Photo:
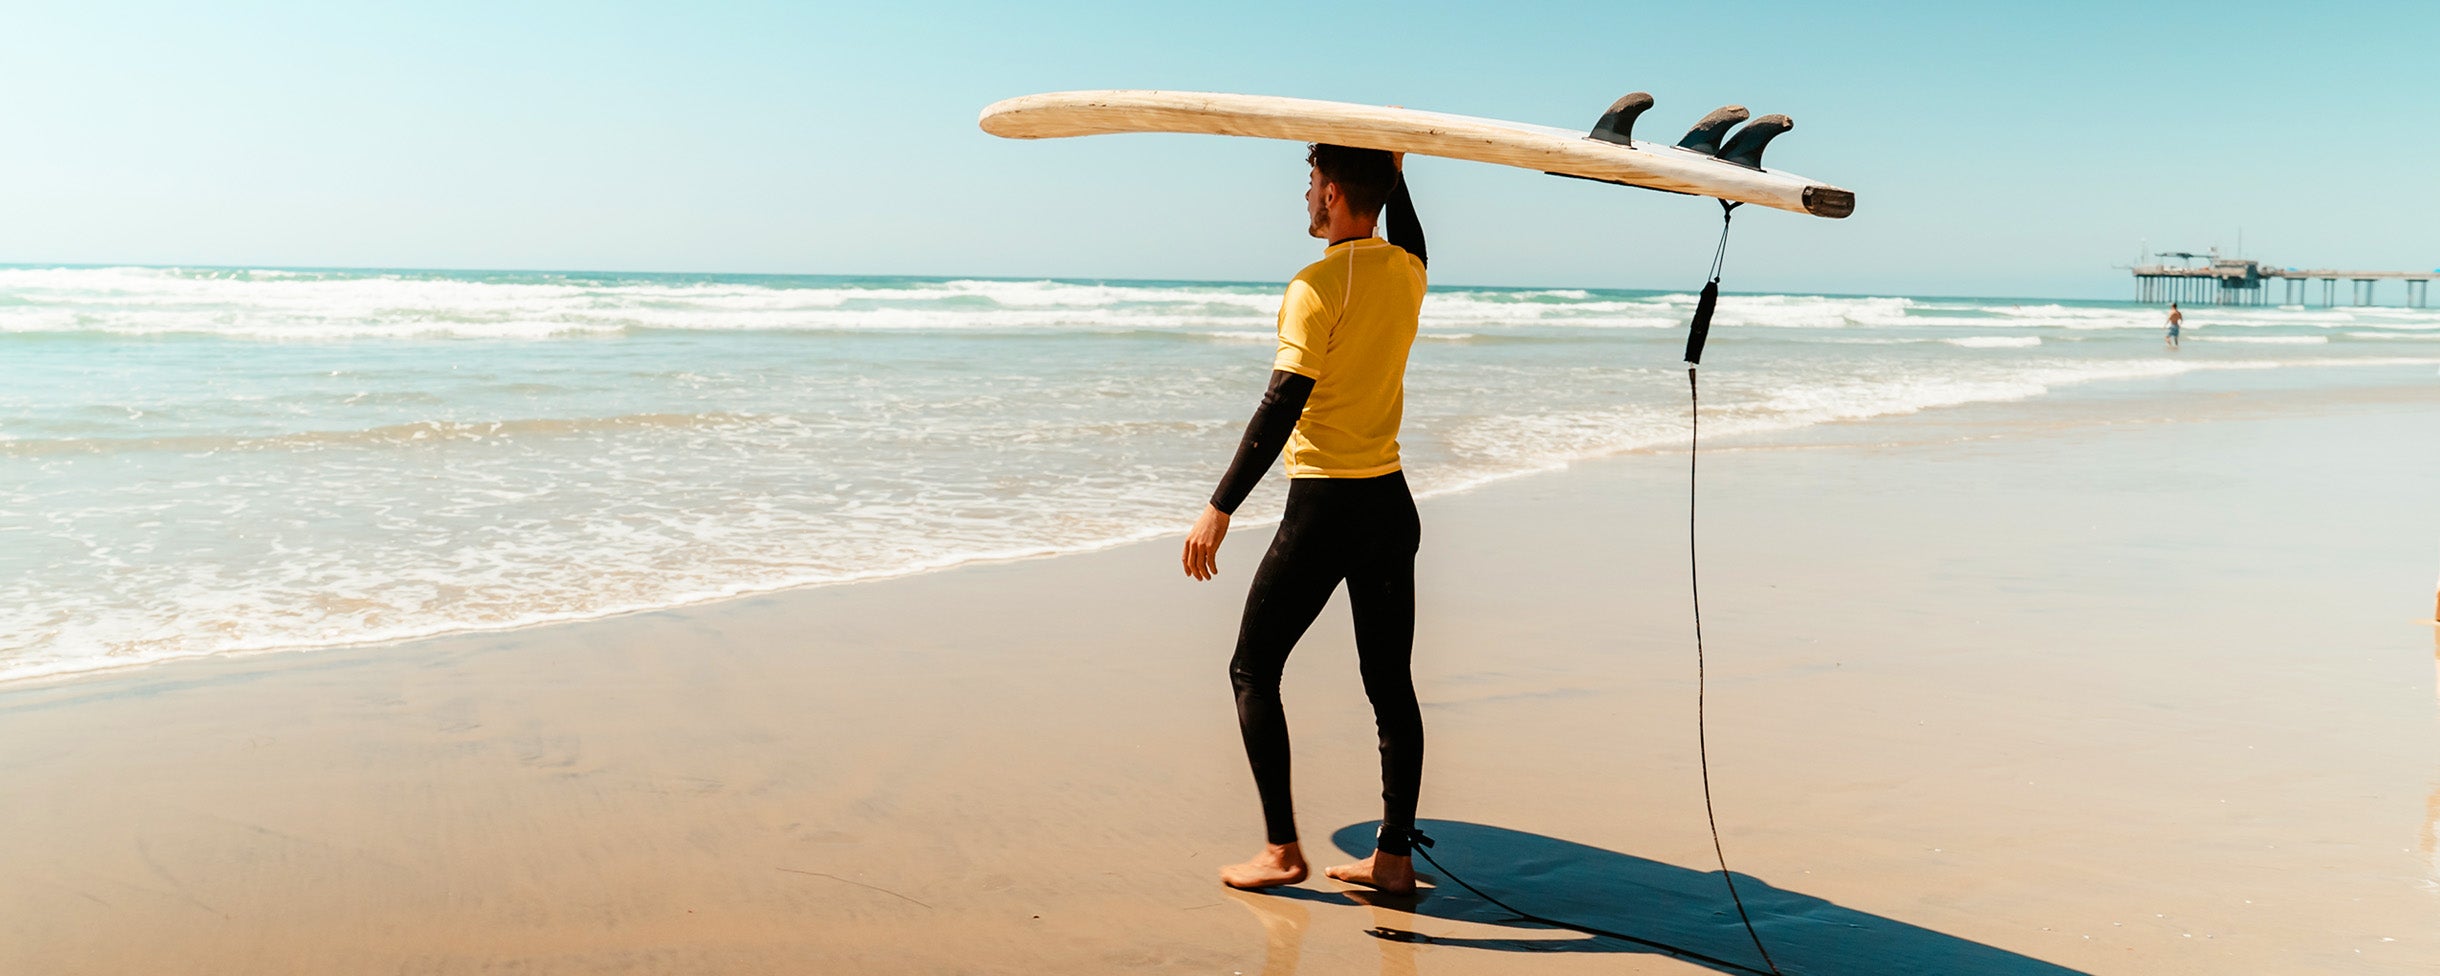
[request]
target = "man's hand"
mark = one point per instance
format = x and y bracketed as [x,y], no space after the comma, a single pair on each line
[1203,543]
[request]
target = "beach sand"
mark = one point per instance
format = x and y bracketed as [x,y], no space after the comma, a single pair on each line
[2133,681]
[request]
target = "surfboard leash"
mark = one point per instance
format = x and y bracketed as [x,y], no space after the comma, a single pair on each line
[1697,331]
[1700,329]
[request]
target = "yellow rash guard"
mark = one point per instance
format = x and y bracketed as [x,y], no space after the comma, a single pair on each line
[1347,324]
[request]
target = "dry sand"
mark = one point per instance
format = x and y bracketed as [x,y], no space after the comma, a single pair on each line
[2134,682]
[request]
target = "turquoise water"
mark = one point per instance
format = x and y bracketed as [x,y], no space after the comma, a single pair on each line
[211,461]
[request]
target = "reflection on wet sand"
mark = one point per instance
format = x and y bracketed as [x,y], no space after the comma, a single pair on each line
[1389,914]
[1284,917]
[2428,839]
[1283,929]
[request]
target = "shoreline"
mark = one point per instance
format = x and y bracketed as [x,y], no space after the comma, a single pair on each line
[1763,438]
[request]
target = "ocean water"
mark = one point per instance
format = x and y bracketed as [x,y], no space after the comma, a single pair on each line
[199,462]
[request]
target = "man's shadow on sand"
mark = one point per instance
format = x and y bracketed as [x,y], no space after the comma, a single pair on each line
[1658,905]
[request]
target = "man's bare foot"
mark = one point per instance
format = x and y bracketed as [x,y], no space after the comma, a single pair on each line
[1387,872]
[1278,864]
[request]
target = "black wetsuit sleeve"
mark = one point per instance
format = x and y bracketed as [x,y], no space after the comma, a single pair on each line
[1399,223]
[1265,436]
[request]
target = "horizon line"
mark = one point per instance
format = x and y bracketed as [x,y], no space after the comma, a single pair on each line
[102,266]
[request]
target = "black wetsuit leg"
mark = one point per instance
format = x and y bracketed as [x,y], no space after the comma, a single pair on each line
[1381,597]
[1362,531]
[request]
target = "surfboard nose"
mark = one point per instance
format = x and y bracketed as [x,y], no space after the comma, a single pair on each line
[1829,201]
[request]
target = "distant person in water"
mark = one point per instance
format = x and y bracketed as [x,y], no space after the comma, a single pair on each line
[2176,319]
[1337,394]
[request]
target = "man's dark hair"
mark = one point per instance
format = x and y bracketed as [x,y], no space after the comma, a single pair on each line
[1364,175]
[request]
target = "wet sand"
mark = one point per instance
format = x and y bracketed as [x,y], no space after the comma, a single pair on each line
[2135,681]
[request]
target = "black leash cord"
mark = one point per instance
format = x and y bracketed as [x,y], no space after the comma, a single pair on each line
[1694,425]
[1694,407]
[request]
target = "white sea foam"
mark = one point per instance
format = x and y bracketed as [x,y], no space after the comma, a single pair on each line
[1994,342]
[337,305]
[456,452]
[1963,342]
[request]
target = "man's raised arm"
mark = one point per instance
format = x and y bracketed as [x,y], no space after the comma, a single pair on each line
[1399,224]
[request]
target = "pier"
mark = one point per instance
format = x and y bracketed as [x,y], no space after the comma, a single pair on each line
[2243,281]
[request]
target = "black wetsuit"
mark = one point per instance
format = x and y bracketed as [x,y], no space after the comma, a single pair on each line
[1359,530]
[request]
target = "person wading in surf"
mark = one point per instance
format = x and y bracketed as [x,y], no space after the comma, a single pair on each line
[1337,393]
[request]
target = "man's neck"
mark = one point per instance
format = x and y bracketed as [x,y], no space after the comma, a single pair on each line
[1345,233]
[1341,231]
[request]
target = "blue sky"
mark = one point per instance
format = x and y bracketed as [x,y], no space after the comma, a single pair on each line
[1995,150]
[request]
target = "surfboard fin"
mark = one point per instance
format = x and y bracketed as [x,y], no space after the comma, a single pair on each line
[1705,136]
[1745,148]
[1618,124]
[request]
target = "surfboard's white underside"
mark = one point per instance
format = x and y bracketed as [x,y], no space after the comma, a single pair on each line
[1534,147]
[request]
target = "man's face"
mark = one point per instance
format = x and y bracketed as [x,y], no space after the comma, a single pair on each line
[1317,205]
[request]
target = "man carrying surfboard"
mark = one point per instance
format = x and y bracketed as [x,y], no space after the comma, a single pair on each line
[1336,396]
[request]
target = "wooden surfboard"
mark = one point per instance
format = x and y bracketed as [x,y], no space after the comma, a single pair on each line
[1708,162]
